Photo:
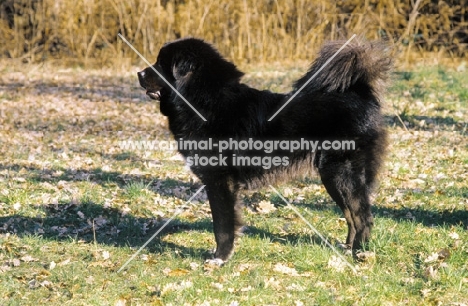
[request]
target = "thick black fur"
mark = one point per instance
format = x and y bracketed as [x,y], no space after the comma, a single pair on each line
[342,102]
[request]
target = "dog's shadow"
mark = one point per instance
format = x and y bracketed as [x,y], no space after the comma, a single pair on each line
[111,226]
[93,223]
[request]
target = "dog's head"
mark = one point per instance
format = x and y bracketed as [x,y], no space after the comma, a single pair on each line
[187,63]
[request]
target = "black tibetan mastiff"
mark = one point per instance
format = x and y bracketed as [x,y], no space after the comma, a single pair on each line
[243,149]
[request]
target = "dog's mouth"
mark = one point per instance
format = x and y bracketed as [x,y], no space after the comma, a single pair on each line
[155,95]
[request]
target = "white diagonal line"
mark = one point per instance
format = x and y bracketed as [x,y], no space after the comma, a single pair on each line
[312,77]
[315,230]
[178,211]
[159,74]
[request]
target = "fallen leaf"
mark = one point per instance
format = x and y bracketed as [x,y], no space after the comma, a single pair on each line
[425,292]
[90,280]
[245,267]
[120,302]
[177,157]
[418,181]
[443,254]
[295,287]
[287,192]
[245,289]
[28,258]
[33,284]
[273,283]
[320,284]
[178,272]
[105,255]
[431,258]
[265,207]
[100,221]
[61,184]
[65,262]
[46,284]
[430,272]
[366,256]
[176,286]
[285,270]
[52,265]
[336,263]
[218,286]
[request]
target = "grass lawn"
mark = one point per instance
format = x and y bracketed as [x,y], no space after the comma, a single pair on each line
[75,206]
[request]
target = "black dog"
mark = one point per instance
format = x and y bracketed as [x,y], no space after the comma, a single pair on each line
[341,103]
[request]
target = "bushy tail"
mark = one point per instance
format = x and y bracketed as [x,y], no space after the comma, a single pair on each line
[359,63]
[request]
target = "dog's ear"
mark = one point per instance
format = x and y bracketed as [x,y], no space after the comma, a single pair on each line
[183,66]
[182,70]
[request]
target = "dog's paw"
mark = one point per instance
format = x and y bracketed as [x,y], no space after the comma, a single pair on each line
[365,256]
[216,262]
[345,248]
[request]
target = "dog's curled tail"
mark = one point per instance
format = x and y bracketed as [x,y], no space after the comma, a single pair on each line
[360,63]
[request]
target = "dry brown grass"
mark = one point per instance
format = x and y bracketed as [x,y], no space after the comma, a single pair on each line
[250,30]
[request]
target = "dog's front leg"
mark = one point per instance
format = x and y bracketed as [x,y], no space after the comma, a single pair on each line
[225,209]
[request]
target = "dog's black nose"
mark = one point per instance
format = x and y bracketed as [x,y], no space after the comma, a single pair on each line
[141,77]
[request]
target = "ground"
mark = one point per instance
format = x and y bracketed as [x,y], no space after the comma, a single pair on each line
[75,205]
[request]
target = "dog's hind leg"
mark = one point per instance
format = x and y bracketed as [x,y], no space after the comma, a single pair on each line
[226,212]
[345,180]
